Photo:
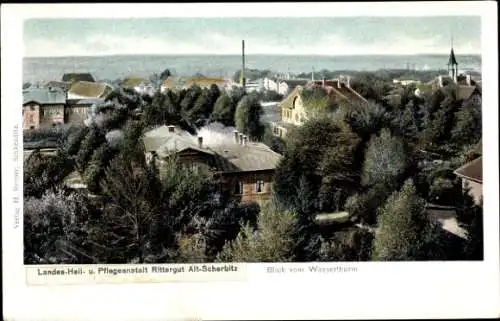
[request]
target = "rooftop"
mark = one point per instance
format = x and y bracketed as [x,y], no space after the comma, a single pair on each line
[72,77]
[245,158]
[44,96]
[85,89]
[204,81]
[472,171]
[227,157]
[131,82]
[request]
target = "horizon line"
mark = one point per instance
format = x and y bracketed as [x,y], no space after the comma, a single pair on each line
[255,54]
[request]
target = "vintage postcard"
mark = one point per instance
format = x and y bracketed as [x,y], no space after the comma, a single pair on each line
[227,161]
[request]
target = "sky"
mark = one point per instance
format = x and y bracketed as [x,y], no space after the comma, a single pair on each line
[282,36]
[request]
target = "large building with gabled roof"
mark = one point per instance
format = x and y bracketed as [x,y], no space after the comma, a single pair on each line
[294,108]
[243,169]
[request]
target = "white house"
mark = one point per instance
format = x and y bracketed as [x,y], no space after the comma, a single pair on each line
[145,89]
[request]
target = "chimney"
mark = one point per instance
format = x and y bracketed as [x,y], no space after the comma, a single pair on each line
[323,81]
[349,81]
[236,135]
[200,141]
[171,128]
[440,78]
[242,80]
[245,140]
[339,83]
[241,138]
[467,77]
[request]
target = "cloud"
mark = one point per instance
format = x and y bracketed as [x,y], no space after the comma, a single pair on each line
[227,43]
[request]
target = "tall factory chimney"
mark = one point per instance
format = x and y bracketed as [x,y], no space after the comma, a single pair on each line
[242,79]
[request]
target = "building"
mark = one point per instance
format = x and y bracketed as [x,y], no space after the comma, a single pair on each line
[76,111]
[405,82]
[472,178]
[88,90]
[205,82]
[43,107]
[139,85]
[169,84]
[270,84]
[74,77]
[244,170]
[285,87]
[57,84]
[294,111]
[465,85]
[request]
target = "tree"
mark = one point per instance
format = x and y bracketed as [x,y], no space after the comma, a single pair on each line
[187,192]
[366,119]
[247,117]
[94,172]
[470,218]
[131,213]
[349,245]
[202,108]
[191,249]
[321,152]
[223,111]
[277,144]
[468,126]
[165,74]
[45,172]
[55,229]
[271,242]
[404,229]
[190,99]
[92,141]
[385,160]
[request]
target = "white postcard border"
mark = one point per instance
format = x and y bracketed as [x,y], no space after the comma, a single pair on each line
[381,290]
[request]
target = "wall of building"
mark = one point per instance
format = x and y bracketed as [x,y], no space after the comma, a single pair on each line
[51,115]
[31,116]
[475,190]
[249,180]
[76,114]
[295,115]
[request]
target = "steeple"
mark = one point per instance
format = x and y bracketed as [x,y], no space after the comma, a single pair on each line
[452,64]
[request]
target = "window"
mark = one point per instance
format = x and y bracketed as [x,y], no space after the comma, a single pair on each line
[238,188]
[32,108]
[259,186]
[32,127]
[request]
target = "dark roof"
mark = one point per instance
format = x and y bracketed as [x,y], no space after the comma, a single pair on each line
[292,83]
[472,171]
[452,60]
[228,157]
[44,96]
[245,158]
[72,77]
[57,84]
[465,92]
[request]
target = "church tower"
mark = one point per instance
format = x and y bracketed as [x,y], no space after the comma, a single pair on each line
[453,64]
